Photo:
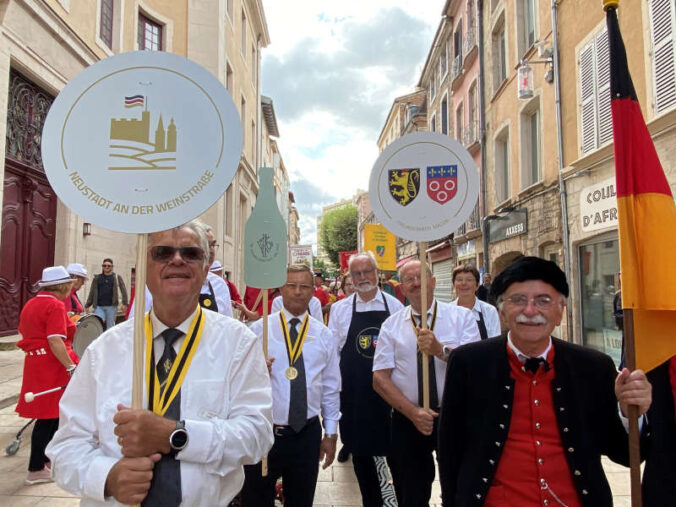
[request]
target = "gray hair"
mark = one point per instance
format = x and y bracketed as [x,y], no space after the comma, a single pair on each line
[368,254]
[200,230]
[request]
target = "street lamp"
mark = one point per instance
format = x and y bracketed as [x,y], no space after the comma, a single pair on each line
[525,71]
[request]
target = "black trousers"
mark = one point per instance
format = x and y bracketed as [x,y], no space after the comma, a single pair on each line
[412,463]
[295,458]
[370,479]
[43,431]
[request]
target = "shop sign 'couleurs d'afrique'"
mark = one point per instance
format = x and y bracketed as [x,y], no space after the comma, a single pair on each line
[141,142]
[424,186]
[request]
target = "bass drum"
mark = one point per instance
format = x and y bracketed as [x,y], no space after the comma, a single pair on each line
[89,328]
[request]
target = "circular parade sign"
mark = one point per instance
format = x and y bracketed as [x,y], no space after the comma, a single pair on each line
[141,142]
[423,186]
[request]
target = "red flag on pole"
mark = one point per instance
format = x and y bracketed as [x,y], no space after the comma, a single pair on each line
[647,217]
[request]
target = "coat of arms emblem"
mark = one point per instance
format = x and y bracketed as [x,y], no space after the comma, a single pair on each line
[442,182]
[404,185]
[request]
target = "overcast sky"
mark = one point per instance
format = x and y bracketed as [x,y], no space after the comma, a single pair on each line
[333,70]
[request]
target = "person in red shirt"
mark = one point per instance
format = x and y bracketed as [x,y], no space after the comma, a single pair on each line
[46,337]
[320,293]
[79,273]
[252,306]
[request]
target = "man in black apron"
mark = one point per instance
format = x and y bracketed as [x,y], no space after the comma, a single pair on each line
[365,423]
[215,294]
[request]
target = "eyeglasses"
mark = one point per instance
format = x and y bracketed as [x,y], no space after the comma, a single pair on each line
[106,265]
[298,286]
[213,244]
[166,253]
[359,274]
[543,301]
[411,279]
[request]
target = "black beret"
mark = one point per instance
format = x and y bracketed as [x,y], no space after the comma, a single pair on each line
[530,268]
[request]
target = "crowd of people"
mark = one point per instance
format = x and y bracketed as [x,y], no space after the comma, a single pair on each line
[515,416]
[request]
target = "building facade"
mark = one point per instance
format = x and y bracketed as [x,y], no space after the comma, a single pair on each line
[43,45]
[649,32]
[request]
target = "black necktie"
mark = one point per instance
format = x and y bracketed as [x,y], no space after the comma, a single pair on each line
[434,396]
[165,488]
[532,364]
[298,393]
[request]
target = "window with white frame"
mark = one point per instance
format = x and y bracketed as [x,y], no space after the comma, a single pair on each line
[106,22]
[444,116]
[594,81]
[663,42]
[149,34]
[501,158]
[531,144]
[443,62]
[472,113]
[499,57]
[525,25]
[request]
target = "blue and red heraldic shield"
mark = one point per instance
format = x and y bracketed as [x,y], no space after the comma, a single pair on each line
[442,182]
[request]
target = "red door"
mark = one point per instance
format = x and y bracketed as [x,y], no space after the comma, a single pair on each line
[28,203]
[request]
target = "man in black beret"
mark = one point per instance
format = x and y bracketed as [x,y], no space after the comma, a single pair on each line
[525,417]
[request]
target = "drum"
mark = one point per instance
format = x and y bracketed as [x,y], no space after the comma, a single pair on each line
[89,328]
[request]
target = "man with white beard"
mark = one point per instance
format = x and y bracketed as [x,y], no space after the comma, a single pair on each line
[365,423]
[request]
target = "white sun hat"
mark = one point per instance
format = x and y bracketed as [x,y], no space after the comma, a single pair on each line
[216,266]
[77,269]
[54,276]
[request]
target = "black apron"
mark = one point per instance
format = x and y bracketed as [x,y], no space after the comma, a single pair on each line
[482,326]
[365,423]
[208,301]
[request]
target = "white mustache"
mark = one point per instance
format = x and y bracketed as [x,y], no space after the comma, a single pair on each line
[536,319]
[364,286]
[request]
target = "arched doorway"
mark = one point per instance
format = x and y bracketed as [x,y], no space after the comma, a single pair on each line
[503,261]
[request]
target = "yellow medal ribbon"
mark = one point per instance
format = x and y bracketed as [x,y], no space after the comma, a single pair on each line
[159,404]
[294,351]
[432,323]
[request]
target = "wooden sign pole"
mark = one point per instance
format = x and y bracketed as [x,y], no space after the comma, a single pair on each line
[422,248]
[632,416]
[139,313]
[264,463]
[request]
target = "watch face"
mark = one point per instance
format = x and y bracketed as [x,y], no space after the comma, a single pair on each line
[179,439]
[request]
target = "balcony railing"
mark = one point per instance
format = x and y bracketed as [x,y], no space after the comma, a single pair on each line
[472,224]
[471,134]
[456,68]
[469,40]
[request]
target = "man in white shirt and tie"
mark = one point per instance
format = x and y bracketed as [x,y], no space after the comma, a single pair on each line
[305,377]
[397,377]
[208,397]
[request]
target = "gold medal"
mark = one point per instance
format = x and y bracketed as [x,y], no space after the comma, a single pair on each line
[207,302]
[291,373]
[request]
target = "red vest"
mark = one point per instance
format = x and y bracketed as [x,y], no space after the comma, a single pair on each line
[533,468]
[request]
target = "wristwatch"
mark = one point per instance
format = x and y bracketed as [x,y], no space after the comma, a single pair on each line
[334,436]
[445,353]
[178,439]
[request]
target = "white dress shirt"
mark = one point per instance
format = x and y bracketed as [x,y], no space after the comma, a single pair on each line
[322,373]
[340,315]
[398,347]
[226,402]
[315,307]
[490,315]
[148,303]
[221,293]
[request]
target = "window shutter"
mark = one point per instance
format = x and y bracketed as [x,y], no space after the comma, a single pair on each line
[603,88]
[588,96]
[663,27]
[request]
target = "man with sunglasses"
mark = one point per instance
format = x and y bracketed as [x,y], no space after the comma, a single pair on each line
[215,294]
[525,417]
[303,364]
[103,294]
[365,424]
[208,396]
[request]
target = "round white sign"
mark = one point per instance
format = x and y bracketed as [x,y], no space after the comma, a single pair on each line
[141,142]
[423,186]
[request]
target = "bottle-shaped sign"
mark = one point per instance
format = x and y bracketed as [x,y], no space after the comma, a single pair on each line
[265,238]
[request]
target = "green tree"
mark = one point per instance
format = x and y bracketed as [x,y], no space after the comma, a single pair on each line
[339,232]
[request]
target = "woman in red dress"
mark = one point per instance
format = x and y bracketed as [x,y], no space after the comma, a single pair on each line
[46,338]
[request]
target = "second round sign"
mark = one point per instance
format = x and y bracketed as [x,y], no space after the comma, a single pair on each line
[424,186]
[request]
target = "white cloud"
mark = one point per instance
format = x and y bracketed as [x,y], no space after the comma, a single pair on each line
[332,70]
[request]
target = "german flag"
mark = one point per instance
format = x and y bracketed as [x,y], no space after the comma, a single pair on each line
[647,217]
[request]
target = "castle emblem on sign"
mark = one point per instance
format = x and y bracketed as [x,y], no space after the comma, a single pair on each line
[131,147]
[404,185]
